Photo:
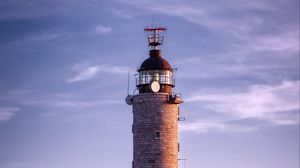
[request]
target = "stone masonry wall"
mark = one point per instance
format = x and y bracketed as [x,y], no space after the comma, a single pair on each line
[152,113]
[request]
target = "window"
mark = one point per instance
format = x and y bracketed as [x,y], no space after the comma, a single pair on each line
[157,135]
[162,76]
[155,76]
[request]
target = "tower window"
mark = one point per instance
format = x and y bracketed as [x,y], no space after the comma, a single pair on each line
[157,135]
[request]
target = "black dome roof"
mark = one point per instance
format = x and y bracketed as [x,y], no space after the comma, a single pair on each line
[155,62]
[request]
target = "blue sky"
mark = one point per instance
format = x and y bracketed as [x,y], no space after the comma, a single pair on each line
[63,80]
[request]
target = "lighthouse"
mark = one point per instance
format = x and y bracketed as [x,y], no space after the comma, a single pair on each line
[155,109]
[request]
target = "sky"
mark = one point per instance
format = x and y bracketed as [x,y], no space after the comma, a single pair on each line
[63,81]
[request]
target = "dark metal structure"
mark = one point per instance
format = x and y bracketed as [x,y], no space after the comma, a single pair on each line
[155,68]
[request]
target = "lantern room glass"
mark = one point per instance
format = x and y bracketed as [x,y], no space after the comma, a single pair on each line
[161,76]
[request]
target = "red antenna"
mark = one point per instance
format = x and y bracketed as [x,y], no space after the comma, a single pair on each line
[154,37]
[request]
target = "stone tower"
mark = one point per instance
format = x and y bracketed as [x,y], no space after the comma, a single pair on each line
[155,110]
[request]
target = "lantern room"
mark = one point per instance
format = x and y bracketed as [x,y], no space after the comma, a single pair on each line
[155,73]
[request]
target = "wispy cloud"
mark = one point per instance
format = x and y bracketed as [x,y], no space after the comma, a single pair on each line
[56,100]
[69,103]
[240,21]
[45,36]
[121,13]
[35,38]
[6,113]
[287,42]
[278,104]
[234,66]
[83,74]
[86,72]
[65,100]
[64,105]
[28,9]
[205,126]
[100,30]
[192,12]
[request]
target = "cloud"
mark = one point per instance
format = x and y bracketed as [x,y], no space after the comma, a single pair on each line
[205,126]
[55,100]
[69,103]
[83,74]
[287,42]
[86,72]
[211,14]
[201,13]
[34,38]
[64,100]
[100,30]
[6,113]
[278,104]
[234,67]
[245,23]
[202,126]
[28,9]
[43,37]
[121,13]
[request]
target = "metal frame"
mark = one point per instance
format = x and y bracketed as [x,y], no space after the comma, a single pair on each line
[161,76]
